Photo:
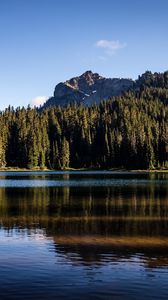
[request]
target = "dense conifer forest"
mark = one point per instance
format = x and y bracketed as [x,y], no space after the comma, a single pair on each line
[130,131]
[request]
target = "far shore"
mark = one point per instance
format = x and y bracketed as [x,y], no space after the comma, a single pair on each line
[115,170]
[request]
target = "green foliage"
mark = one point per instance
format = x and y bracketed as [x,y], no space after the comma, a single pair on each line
[130,131]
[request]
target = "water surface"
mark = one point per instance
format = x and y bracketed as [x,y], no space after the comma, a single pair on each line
[83,235]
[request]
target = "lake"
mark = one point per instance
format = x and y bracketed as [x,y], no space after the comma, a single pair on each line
[83,235]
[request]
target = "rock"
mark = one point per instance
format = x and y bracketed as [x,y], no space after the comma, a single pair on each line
[89,88]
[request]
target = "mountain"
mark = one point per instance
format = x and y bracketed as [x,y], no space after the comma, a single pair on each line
[89,88]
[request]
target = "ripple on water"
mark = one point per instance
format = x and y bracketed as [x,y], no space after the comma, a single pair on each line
[107,242]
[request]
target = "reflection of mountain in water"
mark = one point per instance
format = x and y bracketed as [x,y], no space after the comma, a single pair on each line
[94,224]
[152,256]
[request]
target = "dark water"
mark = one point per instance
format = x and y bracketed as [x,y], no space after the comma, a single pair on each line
[83,235]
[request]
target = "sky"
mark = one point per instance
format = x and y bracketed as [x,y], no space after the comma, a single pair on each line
[44,42]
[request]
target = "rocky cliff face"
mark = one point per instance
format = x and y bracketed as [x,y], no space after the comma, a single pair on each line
[89,88]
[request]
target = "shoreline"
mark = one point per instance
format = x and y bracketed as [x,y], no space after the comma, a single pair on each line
[115,170]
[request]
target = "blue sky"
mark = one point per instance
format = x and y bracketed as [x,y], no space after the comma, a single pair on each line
[43,42]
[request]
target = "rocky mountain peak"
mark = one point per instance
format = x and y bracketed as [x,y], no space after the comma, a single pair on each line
[86,79]
[88,88]
[89,76]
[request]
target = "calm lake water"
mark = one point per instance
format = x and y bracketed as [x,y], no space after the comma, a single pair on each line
[83,235]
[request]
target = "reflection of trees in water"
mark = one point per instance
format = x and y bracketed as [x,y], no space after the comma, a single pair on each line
[130,210]
[111,212]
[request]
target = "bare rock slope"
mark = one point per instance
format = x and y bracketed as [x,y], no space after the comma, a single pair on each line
[89,88]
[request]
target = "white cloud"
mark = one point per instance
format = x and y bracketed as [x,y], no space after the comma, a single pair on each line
[37,101]
[110,47]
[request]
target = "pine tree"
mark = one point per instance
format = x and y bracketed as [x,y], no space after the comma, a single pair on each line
[64,154]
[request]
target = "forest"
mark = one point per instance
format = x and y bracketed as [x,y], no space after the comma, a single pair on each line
[128,131]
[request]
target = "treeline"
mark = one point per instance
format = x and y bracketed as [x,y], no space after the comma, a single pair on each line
[125,132]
